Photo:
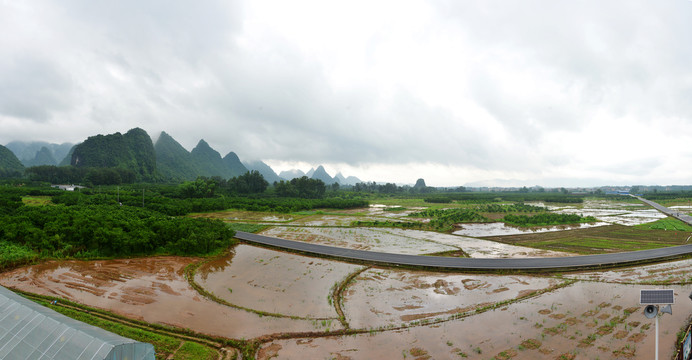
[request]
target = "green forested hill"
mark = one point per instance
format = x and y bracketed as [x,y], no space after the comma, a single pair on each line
[42,157]
[234,165]
[10,166]
[133,151]
[68,157]
[208,161]
[172,160]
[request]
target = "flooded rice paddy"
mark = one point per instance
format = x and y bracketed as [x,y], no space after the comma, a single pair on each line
[583,321]
[605,212]
[150,289]
[370,239]
[499,229]
[274,282]
[383,298]
[673,272]
[478,248]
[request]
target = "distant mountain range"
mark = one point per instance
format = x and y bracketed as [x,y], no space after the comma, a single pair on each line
[321,174]
[39,152]
[135,151]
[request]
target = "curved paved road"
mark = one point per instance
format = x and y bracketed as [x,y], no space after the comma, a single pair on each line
[571,262]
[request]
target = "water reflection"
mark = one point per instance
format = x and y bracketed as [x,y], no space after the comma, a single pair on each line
[498,228]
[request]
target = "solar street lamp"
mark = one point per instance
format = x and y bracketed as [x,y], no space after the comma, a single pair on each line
[652,299]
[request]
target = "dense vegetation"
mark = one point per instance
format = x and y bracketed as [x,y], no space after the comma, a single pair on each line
[167,203]
[668,195]
[31,232]
[509,208]
[444,220]
[546,218]
[302,187]
[80,175]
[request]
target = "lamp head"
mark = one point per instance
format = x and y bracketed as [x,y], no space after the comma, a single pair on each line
[667,309]
[650,311]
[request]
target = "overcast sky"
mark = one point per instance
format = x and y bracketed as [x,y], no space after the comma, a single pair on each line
[552,93]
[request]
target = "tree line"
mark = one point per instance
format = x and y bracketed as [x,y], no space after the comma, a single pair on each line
[28,233]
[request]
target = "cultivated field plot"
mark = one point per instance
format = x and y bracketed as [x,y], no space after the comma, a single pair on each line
[249,216]
[149,289]
[602,239]
[477,248]
[614,212]
[383,298]
[370,239]
[275,282]
[499,228]
[582,321]
[313,218]
[674,272]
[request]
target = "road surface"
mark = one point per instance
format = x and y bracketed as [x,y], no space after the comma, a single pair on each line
[450,263]
[674,213]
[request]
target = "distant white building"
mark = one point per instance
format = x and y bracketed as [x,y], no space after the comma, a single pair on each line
[68,187]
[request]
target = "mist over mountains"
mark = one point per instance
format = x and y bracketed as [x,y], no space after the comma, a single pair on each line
[134,151]
[39,152]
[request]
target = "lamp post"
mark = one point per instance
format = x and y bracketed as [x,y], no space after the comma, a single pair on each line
[652,299]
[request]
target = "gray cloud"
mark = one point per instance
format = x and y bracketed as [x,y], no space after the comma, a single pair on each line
[32,88]
[485,86]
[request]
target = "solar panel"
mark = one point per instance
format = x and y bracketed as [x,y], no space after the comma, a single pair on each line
[657,296]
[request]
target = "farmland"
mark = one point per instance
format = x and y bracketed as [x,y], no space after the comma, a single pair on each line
[265,302]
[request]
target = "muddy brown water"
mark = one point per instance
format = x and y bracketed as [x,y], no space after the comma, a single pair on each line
[149,289]
[276,282]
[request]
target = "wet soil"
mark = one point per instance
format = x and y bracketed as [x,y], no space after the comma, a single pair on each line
[674,272]
[382,298]
[149,289]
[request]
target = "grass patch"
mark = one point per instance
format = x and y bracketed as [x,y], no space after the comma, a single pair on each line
[667,224]
[37,200]
[249,228]
[194,351]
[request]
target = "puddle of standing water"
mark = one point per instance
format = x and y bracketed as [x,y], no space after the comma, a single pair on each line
[149,289]
[275,282]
